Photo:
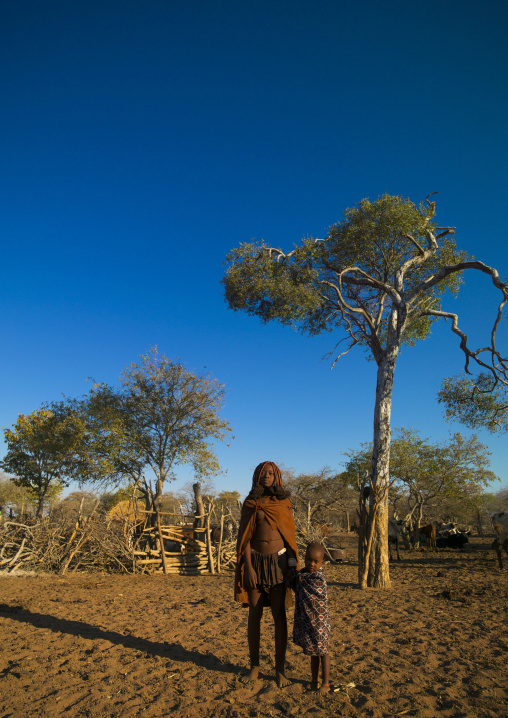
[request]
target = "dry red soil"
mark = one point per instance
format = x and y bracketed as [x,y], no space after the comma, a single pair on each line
[98,645]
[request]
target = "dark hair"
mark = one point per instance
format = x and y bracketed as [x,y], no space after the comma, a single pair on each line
[316,544]
[276,489]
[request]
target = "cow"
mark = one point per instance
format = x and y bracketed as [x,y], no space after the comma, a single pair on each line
[500,524]
[444,528]
[429,531]
[454,539]
[396,531]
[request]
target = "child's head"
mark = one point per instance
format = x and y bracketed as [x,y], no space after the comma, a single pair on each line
[314,556]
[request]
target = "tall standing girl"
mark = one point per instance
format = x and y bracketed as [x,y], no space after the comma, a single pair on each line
[266,552]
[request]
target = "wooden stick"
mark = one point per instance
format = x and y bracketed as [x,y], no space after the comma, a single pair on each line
[220,537]
[162,548]
[209,544]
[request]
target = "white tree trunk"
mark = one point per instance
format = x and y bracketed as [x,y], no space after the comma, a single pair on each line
[379,574]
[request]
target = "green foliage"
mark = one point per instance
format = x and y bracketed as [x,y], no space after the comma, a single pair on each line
[13,496]
[43,451]
[268,289]
[364,262]
[427,473]
[162,415]
[478,402]
[110,499]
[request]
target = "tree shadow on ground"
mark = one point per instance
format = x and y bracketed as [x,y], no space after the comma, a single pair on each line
[171,651]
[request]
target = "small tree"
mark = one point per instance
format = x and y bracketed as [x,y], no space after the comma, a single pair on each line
[13,498]
[43,452]
[161,416]
[426,475]
[318,497]
[379,276]
[70,506]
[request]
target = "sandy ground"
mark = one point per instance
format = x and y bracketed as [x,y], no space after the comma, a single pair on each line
[99,645]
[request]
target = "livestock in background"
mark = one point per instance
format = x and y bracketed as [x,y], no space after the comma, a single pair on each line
[443,528]
[397,530]
[429,533]
[454,539]
[500,524]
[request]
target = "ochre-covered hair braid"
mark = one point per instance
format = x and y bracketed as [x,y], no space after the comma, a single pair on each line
[276,473]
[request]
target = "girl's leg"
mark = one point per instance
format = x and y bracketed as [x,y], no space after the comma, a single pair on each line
[254,633]
[325,673]
[277,604]
[314,670]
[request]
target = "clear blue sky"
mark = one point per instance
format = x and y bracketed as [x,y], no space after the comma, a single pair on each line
[143,140]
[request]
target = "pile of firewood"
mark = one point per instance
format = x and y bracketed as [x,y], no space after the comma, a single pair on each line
[96,543]
[61,546]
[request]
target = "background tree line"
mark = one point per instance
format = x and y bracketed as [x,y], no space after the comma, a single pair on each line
[131,436]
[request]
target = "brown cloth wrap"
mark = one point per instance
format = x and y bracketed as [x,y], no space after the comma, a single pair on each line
[279,515]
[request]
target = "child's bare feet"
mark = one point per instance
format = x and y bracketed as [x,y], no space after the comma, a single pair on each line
[281,679]
[325,688]
[253,675]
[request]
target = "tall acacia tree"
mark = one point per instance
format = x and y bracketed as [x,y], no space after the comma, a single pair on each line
[379,277]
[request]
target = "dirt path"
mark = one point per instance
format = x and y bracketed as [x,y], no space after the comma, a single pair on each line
[97,645]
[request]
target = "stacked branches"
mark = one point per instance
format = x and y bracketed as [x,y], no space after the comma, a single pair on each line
[64,546]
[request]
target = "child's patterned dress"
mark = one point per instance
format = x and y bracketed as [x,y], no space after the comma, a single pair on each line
[312,627]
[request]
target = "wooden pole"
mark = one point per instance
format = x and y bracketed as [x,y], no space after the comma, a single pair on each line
[200,508]
[161,543]
[209,543]
[220,537]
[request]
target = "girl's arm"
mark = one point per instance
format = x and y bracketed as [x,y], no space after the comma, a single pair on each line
[251,578]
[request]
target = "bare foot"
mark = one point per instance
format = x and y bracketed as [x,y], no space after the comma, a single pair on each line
[325,688]
[312,687]
[281,679]
[252,676]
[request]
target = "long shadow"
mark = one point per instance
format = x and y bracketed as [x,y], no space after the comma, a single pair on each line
[427,561]
[343,584]
[172,651]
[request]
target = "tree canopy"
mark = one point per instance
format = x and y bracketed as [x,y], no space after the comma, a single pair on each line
[477,402]
[379,256]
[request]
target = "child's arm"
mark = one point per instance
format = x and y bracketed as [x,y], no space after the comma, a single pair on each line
[291,579]
[292,563]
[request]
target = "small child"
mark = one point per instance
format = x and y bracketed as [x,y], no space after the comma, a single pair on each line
[312,627]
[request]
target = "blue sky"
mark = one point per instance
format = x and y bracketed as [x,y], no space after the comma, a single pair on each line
[143,140]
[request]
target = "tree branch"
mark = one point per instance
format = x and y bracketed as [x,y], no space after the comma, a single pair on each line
[495,368]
